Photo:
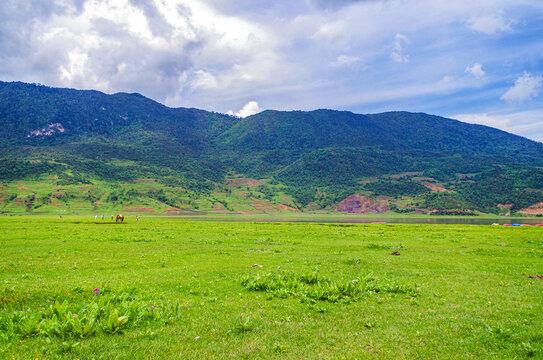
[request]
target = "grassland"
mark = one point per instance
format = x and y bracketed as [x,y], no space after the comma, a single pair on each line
[189,289]
[45,196]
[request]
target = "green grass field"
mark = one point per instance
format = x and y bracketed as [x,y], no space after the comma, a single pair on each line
[178,289]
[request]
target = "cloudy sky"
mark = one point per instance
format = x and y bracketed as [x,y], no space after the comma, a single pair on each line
[478,61]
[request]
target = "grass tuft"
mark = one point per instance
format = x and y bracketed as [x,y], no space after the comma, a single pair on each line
[244,323]
[100,312]
[311,287]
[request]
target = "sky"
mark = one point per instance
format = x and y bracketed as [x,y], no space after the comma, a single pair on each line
[478,61]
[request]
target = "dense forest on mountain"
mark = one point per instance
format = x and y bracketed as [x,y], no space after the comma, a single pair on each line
[310,160]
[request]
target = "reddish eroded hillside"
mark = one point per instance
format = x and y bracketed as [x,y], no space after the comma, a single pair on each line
[285,207]
[535,209]
[436,188]
[356,204]
[262,206]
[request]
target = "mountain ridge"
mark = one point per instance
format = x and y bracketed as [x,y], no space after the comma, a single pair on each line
[309,158]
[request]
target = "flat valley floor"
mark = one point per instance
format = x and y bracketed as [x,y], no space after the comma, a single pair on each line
[178,289]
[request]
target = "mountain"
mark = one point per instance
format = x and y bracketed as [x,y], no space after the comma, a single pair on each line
[112,145]
[95,128]
[366,145]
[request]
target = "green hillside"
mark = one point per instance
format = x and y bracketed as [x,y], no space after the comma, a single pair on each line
[64,150]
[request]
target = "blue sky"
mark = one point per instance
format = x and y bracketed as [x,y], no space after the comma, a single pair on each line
[476,61]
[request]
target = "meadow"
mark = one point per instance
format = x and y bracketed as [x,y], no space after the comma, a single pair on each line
[178,289]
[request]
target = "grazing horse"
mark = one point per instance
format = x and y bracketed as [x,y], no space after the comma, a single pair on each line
[119,217]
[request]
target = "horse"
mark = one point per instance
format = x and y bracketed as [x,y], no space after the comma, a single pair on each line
[119,217]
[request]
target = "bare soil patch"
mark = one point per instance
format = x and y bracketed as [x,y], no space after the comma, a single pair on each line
[312,206]
[506,208]
[383,198]
[436,188]
[356,204]
[365,181]
[139,208]
[262,206]
[172,211]
[244,182]
[56,203]
[144,180]
[19,202]
[285,207]
[218,206]
[535,209]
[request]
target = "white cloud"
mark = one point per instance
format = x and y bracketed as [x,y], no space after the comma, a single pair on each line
[169,50]
[330,31]
[525,88]
[489,24]
[400,43]
[499,122]
[526,123]
[249,109]
[346,60]
[476,70]
[335,4]
[77,62]
[204,80]
[211,54]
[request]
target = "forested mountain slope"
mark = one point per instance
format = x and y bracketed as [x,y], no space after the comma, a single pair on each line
[109,144]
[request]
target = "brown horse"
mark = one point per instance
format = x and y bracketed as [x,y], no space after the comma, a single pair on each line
[119,217]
